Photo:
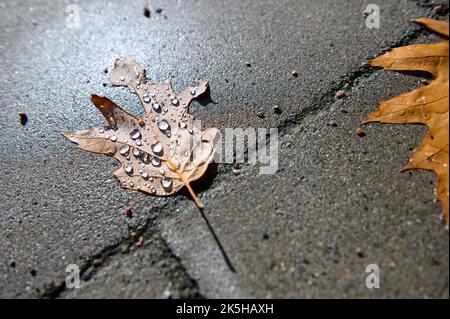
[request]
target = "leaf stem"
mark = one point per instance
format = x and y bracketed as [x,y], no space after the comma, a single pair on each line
[174,168]
[194,196]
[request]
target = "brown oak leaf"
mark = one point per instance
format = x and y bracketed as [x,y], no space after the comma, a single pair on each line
[426,105]
[160,153]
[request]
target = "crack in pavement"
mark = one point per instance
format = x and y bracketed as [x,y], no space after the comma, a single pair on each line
[147,232]
[351,81]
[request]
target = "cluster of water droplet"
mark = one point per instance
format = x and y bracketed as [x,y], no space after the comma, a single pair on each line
[165,138]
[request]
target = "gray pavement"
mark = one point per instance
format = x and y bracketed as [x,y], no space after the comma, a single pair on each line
[337,203]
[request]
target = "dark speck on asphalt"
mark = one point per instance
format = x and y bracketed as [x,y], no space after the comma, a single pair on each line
[23,118]
[146,12]
[277,109]
[438,8]
[341,94]
[128,212]
[359,252]
[333,123]
[260,114]
[360,132]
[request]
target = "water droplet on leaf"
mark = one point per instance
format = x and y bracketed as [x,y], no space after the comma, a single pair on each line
[157,148]
[156,161]
[175,102]
[166,182]
[124,149]
[128,168]
[163,125]
[135,134]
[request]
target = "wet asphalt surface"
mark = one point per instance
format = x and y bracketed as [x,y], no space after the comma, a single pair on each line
[337,203]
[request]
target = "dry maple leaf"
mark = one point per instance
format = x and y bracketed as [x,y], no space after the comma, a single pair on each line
[163,151]
[427,105]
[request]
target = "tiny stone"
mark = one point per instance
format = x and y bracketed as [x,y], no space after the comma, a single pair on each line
[248,64]
[359,252]
[277,109]
[159,10]
[141,122]
[147,12]
[23,118]
[124,248]
[294,73]
[128,212]
[140,241]
[341,94]
[360,132]
[236,171]
[260,114]
[438,8]
[333,123]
